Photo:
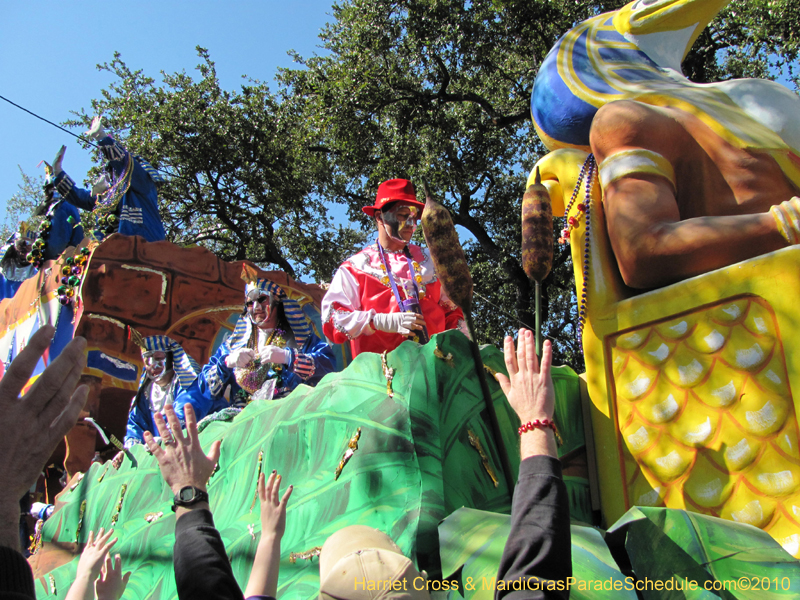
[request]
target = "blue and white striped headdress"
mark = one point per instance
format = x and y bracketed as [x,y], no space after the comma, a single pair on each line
[185,367]
[291,308]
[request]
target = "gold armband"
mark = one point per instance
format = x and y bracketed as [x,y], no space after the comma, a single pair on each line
[630,162]
[787,216]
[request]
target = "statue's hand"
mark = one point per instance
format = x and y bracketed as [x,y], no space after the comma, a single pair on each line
[58,160]
[96,131]
[100,185]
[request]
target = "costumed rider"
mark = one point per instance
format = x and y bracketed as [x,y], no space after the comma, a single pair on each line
[124,198]
[15,266]
[388,292]
[271,351]
[62,223]
[167,371]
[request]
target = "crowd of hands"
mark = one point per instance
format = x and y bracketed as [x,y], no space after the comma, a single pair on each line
[50,408]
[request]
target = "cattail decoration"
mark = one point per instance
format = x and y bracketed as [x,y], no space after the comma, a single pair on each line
[537,231]
[452,270]
[446,252]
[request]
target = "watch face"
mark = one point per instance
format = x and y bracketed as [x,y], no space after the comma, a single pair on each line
[186,494]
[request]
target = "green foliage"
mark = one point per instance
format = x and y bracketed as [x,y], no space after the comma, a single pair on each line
[749,38]
[434,90]
[241,182]
[472,543]
[439,91]
[21,205]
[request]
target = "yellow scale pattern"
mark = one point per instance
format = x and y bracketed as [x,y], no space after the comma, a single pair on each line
[705,417]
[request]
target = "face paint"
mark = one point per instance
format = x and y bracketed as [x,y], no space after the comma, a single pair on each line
[155,363]
[401,221]
[259,307]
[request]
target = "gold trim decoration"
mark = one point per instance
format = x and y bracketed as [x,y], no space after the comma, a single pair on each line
[81,512]
[260,461]
[388,373]
[352,446]
[448,358]
[475,442]
[118,508]
[307,555]
[163,299]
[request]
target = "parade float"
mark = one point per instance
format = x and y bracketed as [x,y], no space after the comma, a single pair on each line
[686,467]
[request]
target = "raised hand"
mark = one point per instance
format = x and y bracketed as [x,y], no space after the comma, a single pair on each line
[273,506]
[529,389]
[180,457]
[111,584]
[90,565]
[36,422]
[96,130]
[58,160]
[264,576]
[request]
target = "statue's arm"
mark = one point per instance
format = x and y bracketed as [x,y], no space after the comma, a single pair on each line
[652,245]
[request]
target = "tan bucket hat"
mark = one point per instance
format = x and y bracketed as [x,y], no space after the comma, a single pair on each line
[362,563]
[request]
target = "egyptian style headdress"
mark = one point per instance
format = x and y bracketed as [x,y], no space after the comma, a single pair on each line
[185,367]
[291,308]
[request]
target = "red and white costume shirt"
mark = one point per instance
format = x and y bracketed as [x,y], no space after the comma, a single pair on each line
[361,289]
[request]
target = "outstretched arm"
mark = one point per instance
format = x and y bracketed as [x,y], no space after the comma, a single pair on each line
[202,569]
[90,565]
[38,420]
[264,576]
[538,550]
[646,158]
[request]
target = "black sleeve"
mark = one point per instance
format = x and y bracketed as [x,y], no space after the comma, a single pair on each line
[537,558]
[16,578]
[202,568]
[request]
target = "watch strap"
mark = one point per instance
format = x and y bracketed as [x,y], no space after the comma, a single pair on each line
[198,496]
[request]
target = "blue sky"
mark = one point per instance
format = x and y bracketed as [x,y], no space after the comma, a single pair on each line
[49,50]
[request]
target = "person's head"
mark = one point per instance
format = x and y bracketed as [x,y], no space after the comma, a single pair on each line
[262,307]
[358,553]
[164,360]
[157,363]
[396,212]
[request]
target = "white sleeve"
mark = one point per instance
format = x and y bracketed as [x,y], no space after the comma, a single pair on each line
[341,305]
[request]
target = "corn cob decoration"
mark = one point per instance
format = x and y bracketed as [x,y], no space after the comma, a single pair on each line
[453,271]
[537,242]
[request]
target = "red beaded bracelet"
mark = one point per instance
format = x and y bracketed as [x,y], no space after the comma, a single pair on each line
[541,424]
[537,424]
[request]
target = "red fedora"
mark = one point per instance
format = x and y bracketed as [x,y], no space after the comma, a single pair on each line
[392,191]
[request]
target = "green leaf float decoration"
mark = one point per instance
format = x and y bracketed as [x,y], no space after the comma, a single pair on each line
[663,543]
[472,541]
[414,465]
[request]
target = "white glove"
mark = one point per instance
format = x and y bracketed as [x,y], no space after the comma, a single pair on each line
[100,185]
[96,130]
[40,510]
[58,160]
[394,322]
[240,358]
[275,354]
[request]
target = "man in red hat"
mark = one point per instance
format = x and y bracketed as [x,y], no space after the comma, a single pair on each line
[388,292]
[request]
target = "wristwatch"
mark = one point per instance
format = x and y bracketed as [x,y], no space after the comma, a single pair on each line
[189,496]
